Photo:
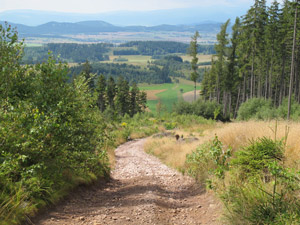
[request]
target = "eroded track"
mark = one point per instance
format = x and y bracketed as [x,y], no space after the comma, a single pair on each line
[142,191]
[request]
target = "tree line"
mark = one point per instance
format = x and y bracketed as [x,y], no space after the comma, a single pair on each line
[151,74]
[67,52]
[260,59]
[115,97]
[154,48]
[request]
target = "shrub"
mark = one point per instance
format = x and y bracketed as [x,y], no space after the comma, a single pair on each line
[208,110]
[50,132]
[256,108]
[258,188]
[261,109]
[208,159]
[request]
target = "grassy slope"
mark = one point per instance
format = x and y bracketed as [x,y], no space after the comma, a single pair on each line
[171,94]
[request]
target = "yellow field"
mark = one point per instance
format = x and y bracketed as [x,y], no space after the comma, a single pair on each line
[236,135]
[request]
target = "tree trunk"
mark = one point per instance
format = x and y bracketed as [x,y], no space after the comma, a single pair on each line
[224,103]
[237,102]
[195,92]
[270,77]
[252,78]
[244,89]
[281,95]
[229,104]
[292,64]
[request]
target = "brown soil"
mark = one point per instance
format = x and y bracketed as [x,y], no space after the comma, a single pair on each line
[142,191]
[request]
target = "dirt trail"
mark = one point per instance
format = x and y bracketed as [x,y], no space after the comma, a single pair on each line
[142,191]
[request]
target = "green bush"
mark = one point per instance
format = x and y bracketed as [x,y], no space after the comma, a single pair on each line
[259,189]
[256,108]
[208,159]
[283,109]
[50,133]
[253,183]
[261,109]
[206,109]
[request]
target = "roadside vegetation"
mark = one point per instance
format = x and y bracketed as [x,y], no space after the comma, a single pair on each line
[56,134]
[252,167]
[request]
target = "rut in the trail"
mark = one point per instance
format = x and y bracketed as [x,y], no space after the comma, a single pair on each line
[142,191]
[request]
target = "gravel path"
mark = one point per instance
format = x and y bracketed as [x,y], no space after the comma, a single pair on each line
[142,191]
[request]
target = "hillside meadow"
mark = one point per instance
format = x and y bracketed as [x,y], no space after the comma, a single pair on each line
[167,94]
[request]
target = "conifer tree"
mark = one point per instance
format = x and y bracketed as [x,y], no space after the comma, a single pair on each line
[111,92]
[122,96]
[221,50]
[86,71]
[134,94]
[193,50]
[101,89]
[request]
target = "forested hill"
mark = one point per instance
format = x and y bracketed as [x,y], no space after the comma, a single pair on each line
[94,27]
[160,48]
[78,53]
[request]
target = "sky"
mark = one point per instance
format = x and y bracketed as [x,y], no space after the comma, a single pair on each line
[99,6]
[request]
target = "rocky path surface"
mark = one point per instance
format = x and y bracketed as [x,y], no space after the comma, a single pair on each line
[142,191]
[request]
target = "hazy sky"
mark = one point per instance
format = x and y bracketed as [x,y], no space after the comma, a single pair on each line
[96,6]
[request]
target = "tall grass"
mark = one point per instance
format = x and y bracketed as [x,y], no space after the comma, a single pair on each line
[258,184]
[261,183]
[239,134]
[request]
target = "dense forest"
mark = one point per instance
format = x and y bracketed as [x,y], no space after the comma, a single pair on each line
[260,59]
[157,72]
[78,53]
[153,48]
[67,52]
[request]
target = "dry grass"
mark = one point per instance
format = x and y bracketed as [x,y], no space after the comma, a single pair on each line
[151,94]
[189,96]
[172,152]
[236,135]
[239,134]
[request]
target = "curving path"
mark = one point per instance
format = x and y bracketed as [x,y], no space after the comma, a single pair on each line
[142,191]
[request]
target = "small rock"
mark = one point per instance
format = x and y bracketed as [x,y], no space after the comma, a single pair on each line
[81,218]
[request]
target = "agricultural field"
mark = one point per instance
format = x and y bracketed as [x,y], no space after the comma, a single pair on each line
[136,60]
[201,58]
[167,94]
[142,60]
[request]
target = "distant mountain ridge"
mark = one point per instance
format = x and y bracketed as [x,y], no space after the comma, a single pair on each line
[197,15]
[94,27]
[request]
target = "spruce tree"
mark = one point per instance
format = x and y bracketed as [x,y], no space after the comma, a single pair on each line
[86,71]
[122,96]
[134,93]
[111,92]
[221,50]
[101,89]
[193,50]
